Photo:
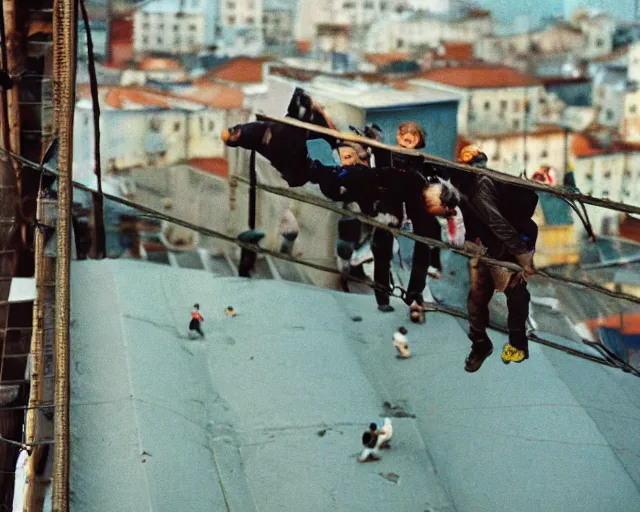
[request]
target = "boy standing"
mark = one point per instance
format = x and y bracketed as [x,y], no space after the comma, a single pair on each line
[196,318]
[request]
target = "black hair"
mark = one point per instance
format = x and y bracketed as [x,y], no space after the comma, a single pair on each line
[229,307]
[196,305]
[403,330]
[449,195]
[373,426]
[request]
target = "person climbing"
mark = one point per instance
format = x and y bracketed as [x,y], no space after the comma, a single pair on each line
[196,319]
[498,224]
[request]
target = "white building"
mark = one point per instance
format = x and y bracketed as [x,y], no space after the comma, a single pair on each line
[611,173]
[496,99]
[346,12]
[174,26]
[142,127]
[240,13]
[240,28]
[416,31]
[598,29]
[277,25]
[609,87]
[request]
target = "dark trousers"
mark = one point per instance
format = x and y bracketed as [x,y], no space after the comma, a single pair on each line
[423,256]
[194,325]
[480,293]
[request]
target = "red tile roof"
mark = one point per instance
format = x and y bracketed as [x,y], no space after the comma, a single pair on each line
[217,166]
[244,70]
[457,50]
[382,59]
[118,97]
[212,95]
[628,323]
[480,76]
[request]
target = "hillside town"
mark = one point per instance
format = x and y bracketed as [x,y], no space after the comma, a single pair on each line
[243,301]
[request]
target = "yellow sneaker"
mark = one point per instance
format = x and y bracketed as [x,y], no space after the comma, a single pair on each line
[511,354]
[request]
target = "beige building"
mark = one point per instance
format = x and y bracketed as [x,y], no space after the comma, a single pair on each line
[559,38]
[611,173]
[496,99]
[518,152]
[418,31]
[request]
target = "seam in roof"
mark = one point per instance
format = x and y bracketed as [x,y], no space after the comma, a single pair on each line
[134,406]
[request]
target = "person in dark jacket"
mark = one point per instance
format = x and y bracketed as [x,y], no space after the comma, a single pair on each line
[495,228]
[196,319]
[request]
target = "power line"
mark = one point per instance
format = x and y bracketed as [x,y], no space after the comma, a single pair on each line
[447,164]
[151,213]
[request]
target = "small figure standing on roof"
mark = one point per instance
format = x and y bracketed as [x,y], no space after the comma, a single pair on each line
[196,319]
[230,311]
[401,344]
[375,439]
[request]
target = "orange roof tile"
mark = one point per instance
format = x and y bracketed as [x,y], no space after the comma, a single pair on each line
[158,64]
[457,50]
[628,323]
[212,94]
[119,96]
[382,59]
[480,76]
[217,166]
[239,70]
[582,146]
[304,46]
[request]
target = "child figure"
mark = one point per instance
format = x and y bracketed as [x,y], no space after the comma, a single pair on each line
[401,344]
[230,312]
[196,318]
[375,439]
[411,135]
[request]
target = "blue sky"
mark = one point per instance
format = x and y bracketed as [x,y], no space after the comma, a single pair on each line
[510,11]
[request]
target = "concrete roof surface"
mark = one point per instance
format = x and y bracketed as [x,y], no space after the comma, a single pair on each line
[266,413]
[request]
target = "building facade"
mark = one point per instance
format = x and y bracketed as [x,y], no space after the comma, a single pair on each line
[174,26]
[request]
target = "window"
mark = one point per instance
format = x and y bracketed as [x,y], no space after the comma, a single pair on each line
[176,27]
[211,125]
[487,105]
[349,5]
[176,126]
[383,6]
[145,26]
[250,20]
[544,153]
[609,114]
[368,5]
[633,109]
[607,174]
[399,43]
[265,18]
[161,26]
[588,176]
[542,100]
[516,124]
[605,193]
[231,5]
[231,20]
[627,173]
[201,120]
[503,105]
[145,40]
[516,105]
[193,27]
[160,40]
[600,43]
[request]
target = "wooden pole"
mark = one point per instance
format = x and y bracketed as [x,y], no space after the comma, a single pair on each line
[64,50]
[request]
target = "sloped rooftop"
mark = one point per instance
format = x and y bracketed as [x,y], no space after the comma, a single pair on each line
[266,413]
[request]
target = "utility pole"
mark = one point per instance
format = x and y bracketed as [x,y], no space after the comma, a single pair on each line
[109,15]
